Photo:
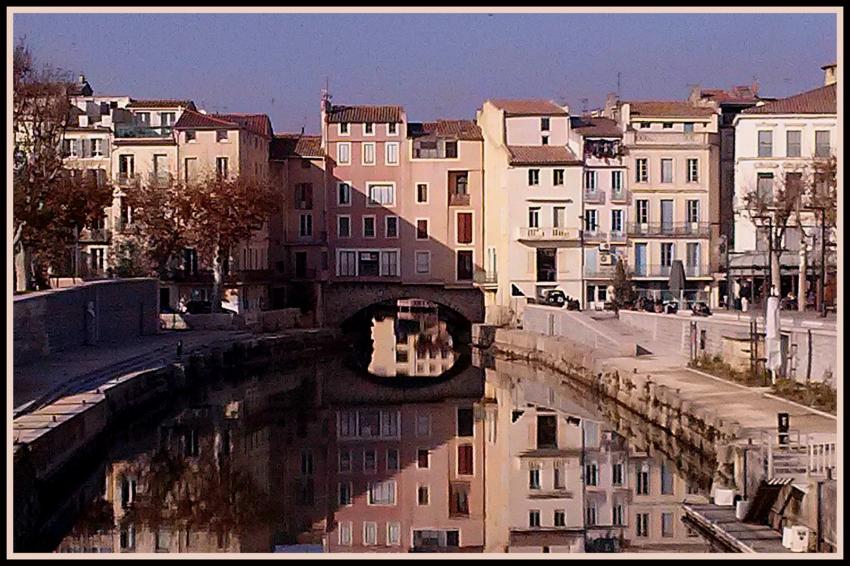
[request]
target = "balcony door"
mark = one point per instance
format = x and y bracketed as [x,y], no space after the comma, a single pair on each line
[667,216]
[546,264]
[300,264]
[640,259]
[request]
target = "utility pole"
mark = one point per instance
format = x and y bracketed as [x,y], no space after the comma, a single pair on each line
[823,262]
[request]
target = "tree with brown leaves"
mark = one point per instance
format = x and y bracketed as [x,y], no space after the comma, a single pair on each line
[50,205]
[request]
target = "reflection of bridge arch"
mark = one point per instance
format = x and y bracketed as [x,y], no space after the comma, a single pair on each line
[342,301]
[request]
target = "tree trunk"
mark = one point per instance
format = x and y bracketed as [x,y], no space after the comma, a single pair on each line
[775,274]
[23,269]
[218,278]
[801,281]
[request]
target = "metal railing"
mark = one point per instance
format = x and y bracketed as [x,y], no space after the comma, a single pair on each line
[594,235]
[484,277]
[664,270]
[458,199]
[669,137]
[691,229]
[594,196]
[548,233]
[95,235]
[620,195]
[142,131]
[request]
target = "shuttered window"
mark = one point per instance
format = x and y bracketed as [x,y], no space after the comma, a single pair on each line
[464,228]
[464,460]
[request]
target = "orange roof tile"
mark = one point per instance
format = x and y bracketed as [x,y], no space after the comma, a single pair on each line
[596,127]
[542,155]
[286,146]
[379,114]
[527,107]
[818,101]
[668,109]
[466,130]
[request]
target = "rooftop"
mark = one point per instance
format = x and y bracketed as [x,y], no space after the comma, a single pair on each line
[460,129]
[164,103]
[377,114]
[595,127]
[259,124]
[285,146]
[668,109]
[528,107]
[542,155]
[256,123]
[818,101]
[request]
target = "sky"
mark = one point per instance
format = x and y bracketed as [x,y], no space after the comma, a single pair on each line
[436,66]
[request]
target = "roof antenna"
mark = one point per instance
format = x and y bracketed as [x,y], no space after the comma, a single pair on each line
[618,84]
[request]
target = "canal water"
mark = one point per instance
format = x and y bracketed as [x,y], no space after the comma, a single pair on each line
[405,445]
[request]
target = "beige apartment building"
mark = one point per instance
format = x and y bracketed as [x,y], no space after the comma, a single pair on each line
[673,160]
[533,204]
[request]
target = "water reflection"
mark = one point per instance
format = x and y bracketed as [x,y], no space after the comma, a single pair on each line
[321,459]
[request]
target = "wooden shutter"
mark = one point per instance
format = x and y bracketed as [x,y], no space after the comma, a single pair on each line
[531,261]
[563,264]
[464,459]
[464,228]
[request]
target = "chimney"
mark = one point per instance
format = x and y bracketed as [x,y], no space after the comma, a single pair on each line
[830,74]
[82,79]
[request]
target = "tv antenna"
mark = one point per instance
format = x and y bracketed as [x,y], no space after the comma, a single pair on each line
[618,84]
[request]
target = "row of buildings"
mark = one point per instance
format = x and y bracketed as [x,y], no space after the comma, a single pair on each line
[526,197]
[488,463]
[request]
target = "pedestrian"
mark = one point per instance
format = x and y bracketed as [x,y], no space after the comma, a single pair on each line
[744,303]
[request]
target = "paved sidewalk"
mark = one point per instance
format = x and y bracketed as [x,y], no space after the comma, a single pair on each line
[751,407]
[39,378]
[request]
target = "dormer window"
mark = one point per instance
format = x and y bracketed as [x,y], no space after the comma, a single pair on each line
[221,135]
[190,135]
[369,128]
[343,128]
[392,128]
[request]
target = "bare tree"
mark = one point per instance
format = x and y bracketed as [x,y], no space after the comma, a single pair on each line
[49,206]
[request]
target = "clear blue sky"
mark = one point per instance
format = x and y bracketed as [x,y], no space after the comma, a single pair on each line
[434,65]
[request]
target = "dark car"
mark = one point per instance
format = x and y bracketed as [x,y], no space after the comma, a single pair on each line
[700,309]
[554,298]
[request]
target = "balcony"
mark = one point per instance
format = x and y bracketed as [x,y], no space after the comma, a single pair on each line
[663,271]
[143,131]
[548,234]
[95,235]
[484,277]
[458,199]
[125,179]
[667,138]
[617,237]
[594,196]
[599,271]
[620,196]
[594,236]
[677,229]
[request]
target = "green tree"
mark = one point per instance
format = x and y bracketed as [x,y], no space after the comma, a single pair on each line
[624,292]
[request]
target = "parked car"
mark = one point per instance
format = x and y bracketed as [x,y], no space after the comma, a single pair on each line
[700,309]
[554,297]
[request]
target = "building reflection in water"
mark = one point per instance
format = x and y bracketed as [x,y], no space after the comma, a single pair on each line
[413,343]
[320,459]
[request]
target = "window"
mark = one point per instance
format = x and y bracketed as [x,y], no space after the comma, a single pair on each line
[667,524]
[792,143]
[392,459]
[391,150]
[392,128]
[764,187]
[558,177]
[465,460]
[343,191]
[382,493]
[345,461]
[533,177]
[347,266]
[560,519]
[617,221]
[190,135]
[422,193]
[127,538]
[423,422]
[369,129]
[544,124]
[306,225]
[343,153]
[343,128]
[451,149]
[642,524]
[126,167]
[666,480]
[617,474]
[163,540]
[642,487]
[458,499]
[534,217]
[370,461]
[458,185]
[591,220]
[393,527]
[370,533]
[591,473]
[423,459]
[618,515]
[221,167]
[167,118]
[590,513]
[381,195]
[144,117]
[642,211]
[345,529]
[667,125]
[345,493]
[534,518]
[422,495]
[689,127]
[765,143]
[822,148]
[693,170]
[559,217]
[590,180]
[465,422]
[544,140]
[368,153]
[464,265]
[343,226]
[617,180]
[666,254]
[97,147]
[642,170]
[558,477]
[389,267]
[368,266]
[422,229]
[666,170]
[464,228]
[693,211]
[304,196]
[423,265]
[547,431]
[221,135]
[534,479]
